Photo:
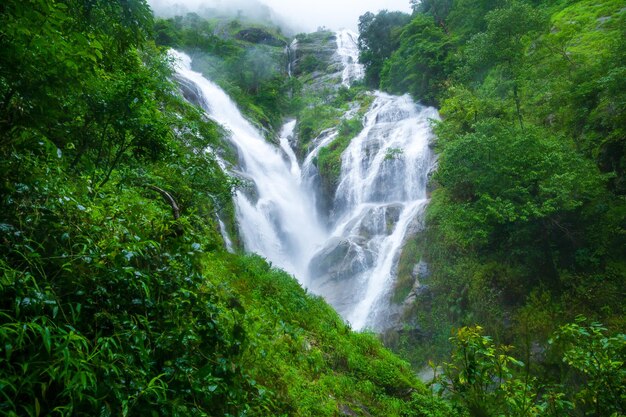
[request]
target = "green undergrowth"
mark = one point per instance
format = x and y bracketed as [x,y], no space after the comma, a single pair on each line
[411,251]
[312,121]
[110,306]
[246,59]
[329,157]
[315,364]
[117,296]
[323,110]
[315,119]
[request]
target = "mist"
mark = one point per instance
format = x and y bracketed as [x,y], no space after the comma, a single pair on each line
[334,14]
[291,15]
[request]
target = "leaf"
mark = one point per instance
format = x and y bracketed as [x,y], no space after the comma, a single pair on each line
[47,339]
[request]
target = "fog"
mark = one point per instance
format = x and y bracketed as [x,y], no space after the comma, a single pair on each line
[298,15]
[334,14]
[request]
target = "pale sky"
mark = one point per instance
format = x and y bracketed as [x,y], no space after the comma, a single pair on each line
[334,14]
[303,15]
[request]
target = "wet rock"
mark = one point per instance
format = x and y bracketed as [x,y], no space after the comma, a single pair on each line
[346,410]
[380,221]
[316,60]
[336,271]
[420,271]
[340,259]
[190,91]
[258,35]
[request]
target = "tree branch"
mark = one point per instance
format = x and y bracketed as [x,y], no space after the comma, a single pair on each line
[168,198]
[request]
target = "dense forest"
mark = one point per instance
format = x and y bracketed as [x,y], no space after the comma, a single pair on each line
[118,297]
[525,230]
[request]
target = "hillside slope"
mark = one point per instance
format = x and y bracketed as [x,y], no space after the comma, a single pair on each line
[117,296]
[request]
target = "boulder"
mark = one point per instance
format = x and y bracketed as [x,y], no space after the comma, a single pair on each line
[260,36]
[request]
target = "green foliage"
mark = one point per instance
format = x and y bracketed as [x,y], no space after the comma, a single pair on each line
[108,304]
[525,228]
[467,17]
[438,9]
[418,65]
[310,63]
[501,47]
[479,372]
[329,157]
[501,175]
[504,40]
[587,101]
[378,38]
[312,121]
[598,358]
[427,406]
[489,381]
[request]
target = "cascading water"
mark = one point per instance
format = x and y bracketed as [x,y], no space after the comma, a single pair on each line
[348,51]
[276,216]
[381,194]
[378,203]
[379,200]
[290,53]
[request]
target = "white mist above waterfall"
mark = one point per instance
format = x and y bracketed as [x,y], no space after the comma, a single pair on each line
[352,260]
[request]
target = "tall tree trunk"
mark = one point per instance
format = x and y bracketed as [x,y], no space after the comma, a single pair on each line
[518,106]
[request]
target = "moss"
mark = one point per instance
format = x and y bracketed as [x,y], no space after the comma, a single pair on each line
[312,121]
[410,255]
[329,158]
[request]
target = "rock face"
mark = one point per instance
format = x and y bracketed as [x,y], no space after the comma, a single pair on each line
[419,274]
[340,266]
[257,35]
[316,58]
[190,91]
[379,202]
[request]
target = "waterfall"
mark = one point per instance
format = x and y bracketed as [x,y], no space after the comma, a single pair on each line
[348,51]
[380,199]
[290,53]
[286,137]
[276,215]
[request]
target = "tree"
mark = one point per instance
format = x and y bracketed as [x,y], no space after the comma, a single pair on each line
[418,66]
[438,9]
[510,188]
[502,46]
[467,17]
[378,38]
[478,372]
[491,382]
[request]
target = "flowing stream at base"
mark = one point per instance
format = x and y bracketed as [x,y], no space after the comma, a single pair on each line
[351,257]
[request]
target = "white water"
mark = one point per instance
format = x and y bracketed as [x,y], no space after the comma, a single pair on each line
[290,53]
[380,199]
[348,51]
[286,135]
[228,243]
[276,215]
